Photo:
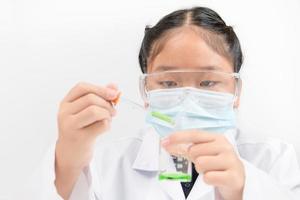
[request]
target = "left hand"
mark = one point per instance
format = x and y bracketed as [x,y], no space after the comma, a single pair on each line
[214,156]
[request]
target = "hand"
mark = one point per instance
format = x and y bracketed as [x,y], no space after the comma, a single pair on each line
[213,156]
[84,114]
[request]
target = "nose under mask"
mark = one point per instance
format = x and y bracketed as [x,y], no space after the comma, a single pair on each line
[195,109]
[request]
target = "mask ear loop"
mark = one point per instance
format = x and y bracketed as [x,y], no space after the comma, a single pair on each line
[238,86]
[142,87]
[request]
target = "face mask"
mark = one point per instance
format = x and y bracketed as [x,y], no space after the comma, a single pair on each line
[185,108]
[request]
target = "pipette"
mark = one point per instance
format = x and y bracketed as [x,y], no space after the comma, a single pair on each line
[155,114]
[119,98]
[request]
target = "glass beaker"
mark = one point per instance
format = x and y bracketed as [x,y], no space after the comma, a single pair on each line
[171,167]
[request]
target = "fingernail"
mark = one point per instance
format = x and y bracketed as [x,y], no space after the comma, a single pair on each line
[165,142]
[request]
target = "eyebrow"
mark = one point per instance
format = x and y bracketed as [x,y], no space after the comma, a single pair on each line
[167,68]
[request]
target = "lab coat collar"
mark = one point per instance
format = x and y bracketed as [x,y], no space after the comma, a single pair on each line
[200,189]
[147,158]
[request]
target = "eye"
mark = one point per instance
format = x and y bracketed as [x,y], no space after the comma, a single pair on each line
[208,83]
[168,84]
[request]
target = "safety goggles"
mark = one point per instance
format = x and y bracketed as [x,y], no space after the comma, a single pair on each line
[208,80]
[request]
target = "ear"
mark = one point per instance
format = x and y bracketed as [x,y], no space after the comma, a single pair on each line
[237,101]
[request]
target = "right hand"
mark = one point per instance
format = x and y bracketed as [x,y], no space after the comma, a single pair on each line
[84,114]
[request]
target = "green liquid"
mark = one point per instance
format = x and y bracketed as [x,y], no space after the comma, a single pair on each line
[175,177]
[163,117]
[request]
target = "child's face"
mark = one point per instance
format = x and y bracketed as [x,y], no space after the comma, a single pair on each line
[186,50]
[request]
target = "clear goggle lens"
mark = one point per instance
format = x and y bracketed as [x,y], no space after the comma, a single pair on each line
[211,81]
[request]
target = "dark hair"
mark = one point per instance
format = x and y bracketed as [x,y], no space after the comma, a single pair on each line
[201,17]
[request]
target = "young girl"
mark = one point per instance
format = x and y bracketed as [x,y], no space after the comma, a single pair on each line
[190,62]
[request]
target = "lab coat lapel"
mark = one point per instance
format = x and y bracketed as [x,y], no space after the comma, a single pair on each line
[148,153]
[201,190]
[172,188]
[148,160]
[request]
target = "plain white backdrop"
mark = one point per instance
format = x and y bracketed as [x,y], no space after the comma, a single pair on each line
[48,46]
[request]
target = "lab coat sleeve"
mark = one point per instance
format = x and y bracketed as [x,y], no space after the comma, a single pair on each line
[280,182]
[41,184]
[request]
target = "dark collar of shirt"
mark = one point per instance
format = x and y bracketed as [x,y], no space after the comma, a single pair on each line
[187,186]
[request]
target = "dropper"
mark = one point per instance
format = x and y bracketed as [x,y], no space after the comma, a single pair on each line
[119,98]
[156,114]
[134,104]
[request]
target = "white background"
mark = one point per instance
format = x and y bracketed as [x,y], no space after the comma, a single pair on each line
[48,46]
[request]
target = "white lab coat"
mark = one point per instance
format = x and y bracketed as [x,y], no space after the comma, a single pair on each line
[126,169]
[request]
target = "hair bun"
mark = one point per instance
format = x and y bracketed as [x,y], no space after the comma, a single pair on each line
[147,28]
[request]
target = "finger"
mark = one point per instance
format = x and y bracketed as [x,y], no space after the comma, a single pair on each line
[210,163]
[187,137]
[97,128]
[89,100]
[178,150]
[217,178]
[90,115]
[82,89]
[204,149]
[112,86]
